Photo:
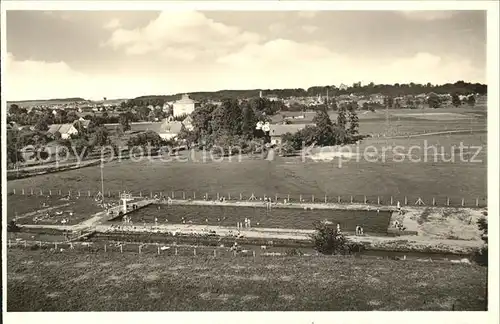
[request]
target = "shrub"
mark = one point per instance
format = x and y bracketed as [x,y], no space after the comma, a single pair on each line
[481,256]
[327,240]
[12,227]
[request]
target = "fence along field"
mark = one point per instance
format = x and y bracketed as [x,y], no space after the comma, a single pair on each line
[31,200]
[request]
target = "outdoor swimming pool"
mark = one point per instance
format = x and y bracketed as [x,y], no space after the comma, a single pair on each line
[291,218]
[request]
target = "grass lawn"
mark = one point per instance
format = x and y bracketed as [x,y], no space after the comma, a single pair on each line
[80,207]
[72,281]
[261,217]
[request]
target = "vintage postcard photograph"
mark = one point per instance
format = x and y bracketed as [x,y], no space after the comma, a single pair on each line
[264,157]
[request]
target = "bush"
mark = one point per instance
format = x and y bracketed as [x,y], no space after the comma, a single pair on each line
[481,256]
[12,227]
[327,240]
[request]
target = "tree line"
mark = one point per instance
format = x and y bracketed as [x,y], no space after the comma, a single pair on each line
[394,90]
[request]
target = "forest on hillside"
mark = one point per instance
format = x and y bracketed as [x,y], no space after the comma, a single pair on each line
[391,90]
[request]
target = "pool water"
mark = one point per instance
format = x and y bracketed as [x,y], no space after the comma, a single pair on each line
[291,218]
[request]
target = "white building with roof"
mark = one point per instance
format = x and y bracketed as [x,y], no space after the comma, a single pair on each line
[184,106]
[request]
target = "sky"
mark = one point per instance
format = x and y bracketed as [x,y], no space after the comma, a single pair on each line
[124,54]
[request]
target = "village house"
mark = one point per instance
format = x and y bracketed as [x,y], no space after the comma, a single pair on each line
[184,106]
[166,129]
[66,130]
[278,130]
[169,129]
[81,121]
[188,123]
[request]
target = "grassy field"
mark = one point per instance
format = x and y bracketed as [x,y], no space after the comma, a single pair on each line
[411,121]
[261,217]
[27,207]
[72,281]
[290,175]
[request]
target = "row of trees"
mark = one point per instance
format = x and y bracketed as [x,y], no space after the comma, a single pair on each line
[325,132]
[231,123]
[393,90]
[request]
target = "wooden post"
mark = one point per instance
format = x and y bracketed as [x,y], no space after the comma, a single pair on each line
[351,199]
[121,248]
[365,199]
[406,200]
[241,196]
[477,202]
[326,200]
[338,199]
[433,201]
[215,253]
[463,202]
[391,200]
[288,198]
[105,248]
[378,200]
[276,198]
[140,247]
[176,252]
[9,243]
[253,252]
[158,248]
[55,246]
[109,194]
[41,192]
[194,195]
[173,194]
[88,192]
[300,198]
[22,191]
[60,194]
[32,191]
[194,251]
[217,196]
[69,193]
[312,198]
[14,191]
[234,252]
[228,196]
[183,195]
[447,201]
[140,194]
[25,244]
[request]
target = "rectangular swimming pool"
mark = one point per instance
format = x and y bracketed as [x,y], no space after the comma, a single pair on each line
[292,218]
